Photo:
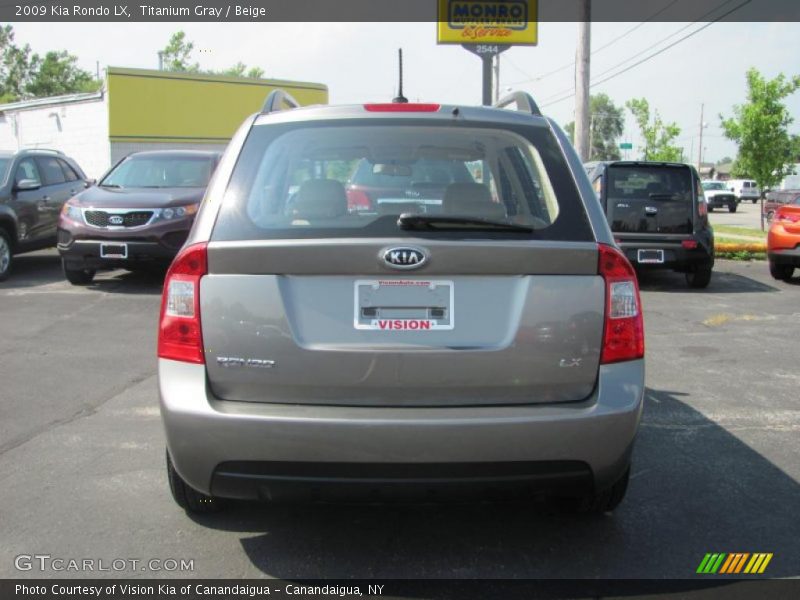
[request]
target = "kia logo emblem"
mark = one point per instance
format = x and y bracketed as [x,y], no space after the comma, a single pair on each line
[404,257]
[116,220]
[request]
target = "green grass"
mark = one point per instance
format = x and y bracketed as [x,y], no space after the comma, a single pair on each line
[743,255]
[754,233]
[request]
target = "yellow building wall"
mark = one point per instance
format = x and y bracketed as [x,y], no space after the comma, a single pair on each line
[161,106]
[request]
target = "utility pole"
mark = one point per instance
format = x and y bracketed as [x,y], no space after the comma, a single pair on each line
[700,145]
[582,124]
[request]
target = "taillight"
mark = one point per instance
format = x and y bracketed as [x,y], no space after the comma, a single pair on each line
[702,208]
[402,107]
[623,330]
[357,200]
[788,217]
[689,244]
[179,334]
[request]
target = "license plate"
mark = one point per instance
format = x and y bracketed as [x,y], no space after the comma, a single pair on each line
[650,256]
[113,250]
[398,305]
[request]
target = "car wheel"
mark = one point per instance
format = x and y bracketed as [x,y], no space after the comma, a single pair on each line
[596,503]
[78,276]
[732,207]
[710,208]
[187,497]
[755,200]
[6,256]
[781,272]
[699,278]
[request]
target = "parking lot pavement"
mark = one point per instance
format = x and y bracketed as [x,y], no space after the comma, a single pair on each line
[747,215]
[716,466]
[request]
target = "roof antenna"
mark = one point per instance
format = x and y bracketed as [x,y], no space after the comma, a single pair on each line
[400,99]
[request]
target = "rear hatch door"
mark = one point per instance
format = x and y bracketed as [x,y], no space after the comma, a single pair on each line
[308,301]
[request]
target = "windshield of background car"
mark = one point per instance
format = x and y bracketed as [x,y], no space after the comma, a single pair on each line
[161,172]
[649,183]
[345,180]
[714,185]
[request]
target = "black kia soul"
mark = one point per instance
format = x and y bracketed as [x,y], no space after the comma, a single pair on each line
[658,215]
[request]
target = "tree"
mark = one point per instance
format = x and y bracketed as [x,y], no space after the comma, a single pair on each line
[760,128]
[725,160]
[607,123]
[240,70]
[57,73]
[176,54]
[658,135]
[15,66]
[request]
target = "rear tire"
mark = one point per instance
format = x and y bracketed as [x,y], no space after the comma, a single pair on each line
[6,255]
[755,200]
[732,207]
[78,276]
[710,208]
[781,272]
[188,498]
[596,503]
[699,278]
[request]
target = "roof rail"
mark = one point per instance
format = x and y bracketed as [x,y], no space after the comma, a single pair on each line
[279,100]
[45,150]
[523,100]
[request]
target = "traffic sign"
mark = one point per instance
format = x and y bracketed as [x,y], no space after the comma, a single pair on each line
[626,146]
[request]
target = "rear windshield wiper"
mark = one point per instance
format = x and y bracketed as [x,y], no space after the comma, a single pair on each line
[438,222]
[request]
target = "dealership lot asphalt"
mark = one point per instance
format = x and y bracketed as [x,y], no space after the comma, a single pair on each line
[717,462]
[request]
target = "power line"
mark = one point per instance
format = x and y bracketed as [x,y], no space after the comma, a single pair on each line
[650,47]
[645,59]
[598,50]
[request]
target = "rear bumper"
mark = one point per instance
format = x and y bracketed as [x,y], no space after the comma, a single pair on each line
[675,255]
[250,450]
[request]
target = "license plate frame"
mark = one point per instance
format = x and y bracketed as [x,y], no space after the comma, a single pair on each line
[398,295]
[650,256]
[114,251]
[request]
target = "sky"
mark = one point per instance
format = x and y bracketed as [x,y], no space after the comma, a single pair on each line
[358,63]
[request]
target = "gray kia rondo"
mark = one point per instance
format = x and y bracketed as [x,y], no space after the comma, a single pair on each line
[457,321]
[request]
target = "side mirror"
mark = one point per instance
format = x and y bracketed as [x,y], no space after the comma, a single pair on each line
[89,183]
[27,184]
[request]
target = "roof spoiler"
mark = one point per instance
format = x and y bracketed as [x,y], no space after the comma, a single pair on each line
[279,100]
[523,101]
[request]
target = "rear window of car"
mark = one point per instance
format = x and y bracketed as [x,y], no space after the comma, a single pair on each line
[153,171]
[649,183]
[354,180]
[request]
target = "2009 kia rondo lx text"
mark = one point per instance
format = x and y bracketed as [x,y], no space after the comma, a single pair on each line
[484,336]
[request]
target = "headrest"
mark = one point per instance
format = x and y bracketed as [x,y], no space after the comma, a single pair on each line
[471,200]
[320,199]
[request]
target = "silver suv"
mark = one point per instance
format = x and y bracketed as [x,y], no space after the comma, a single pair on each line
[474,334]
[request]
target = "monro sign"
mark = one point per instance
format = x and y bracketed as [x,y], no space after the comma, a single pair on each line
[487,22]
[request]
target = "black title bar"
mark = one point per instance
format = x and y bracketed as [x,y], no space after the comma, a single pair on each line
[383,10]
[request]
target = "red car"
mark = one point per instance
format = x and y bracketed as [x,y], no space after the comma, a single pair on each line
[777,199]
